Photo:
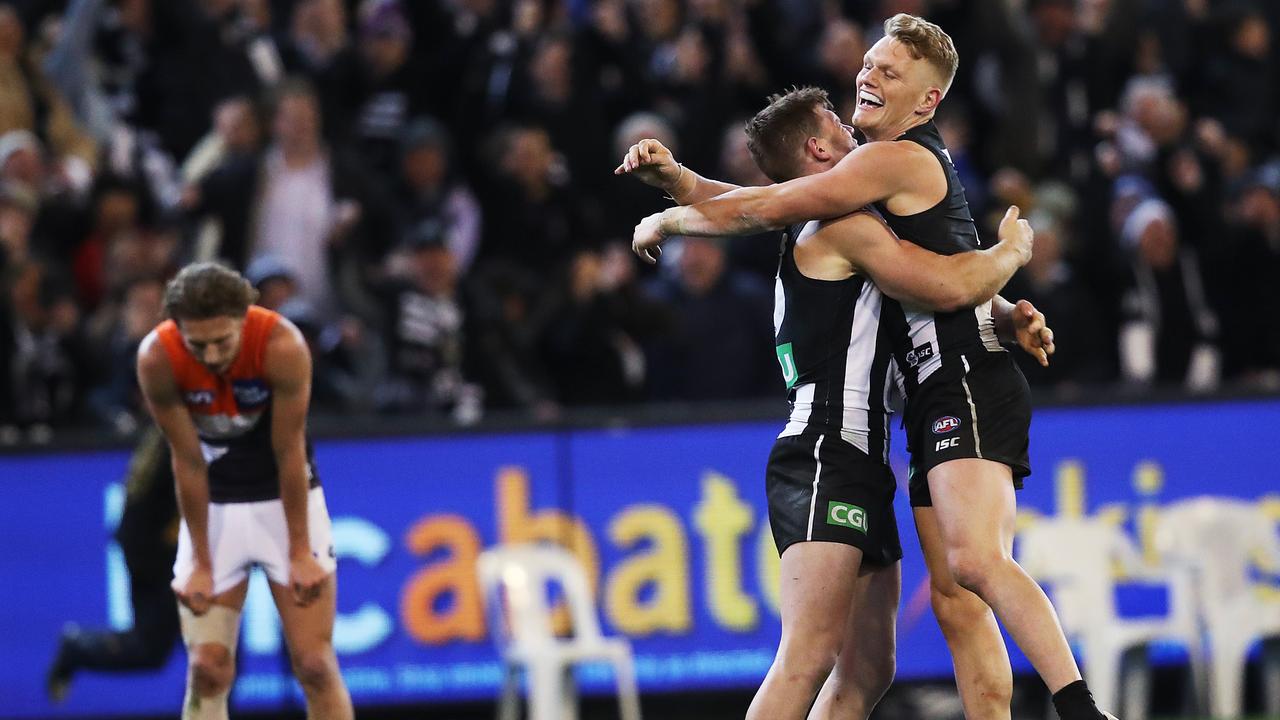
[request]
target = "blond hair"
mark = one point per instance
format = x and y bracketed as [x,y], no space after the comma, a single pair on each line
[925,41]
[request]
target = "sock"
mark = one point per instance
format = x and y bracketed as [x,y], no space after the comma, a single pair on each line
[1075,702]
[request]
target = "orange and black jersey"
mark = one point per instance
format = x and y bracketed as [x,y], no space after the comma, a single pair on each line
[232,412]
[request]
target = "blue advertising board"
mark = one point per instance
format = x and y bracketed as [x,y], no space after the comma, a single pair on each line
[670,522]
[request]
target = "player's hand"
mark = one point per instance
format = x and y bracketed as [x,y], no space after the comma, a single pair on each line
[647,239]
[306,579]
[652,163]
[1031,332]
[197,593]
[1018,234]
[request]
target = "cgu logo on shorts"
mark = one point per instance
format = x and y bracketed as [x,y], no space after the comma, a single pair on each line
[945,424]
[199,397]
[846,515]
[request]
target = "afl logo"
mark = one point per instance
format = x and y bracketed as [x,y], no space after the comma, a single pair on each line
[199,397]
[945,424]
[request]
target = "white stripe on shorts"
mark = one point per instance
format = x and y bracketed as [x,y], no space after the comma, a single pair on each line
[973,409]
[817,475]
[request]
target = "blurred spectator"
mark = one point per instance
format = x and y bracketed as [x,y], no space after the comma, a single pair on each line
[221,176]
[116,401]
[756,254]
[343,361]
[42,356]
[17,216]
[29,102]
[1169,333]
[594,348]
[118,245]
[425,332]
[552,96]
[839,60]
[319,48]
[718,347]
[533,217]
[314,208]
[194,56]
[512,311]
[1252,347]
[393,91]
[1051,283]
[1240,86]
[274,281]
[432,189]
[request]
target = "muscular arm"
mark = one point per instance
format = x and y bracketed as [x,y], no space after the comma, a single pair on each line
[191,474]
[907,272]
[288,364]
[859,179]
[652,163]
[694,188]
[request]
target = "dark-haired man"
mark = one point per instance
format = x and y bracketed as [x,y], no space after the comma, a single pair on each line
[228,383]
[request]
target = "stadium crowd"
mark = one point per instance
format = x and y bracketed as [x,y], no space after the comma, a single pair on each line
[424,187]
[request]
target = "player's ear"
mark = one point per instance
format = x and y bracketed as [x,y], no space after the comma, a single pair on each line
[817,149]
[932,97]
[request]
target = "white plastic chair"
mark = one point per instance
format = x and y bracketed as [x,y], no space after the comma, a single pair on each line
[1077,557]
[515,580]
[1220,538]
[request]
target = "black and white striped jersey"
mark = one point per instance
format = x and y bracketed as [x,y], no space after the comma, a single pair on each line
[836,358]
[923,337]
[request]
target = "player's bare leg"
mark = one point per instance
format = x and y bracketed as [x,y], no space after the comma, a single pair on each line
[308,631]
[865,667]
[978,654]
[211,654]
[974,503]
[817,582]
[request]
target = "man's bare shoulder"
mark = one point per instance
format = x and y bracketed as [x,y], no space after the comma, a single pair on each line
[151,355]
[287,359]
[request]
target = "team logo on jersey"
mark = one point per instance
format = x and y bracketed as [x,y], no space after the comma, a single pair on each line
[919,354]
[788,362]
[199,397]
[250,393]
[847,515]
[946,424]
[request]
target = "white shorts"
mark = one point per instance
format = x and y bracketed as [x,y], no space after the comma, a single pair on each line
[242,535]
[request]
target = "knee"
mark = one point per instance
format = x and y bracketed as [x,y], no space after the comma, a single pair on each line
[956,608]
[316,670]
[211,669]
[808,662]
[880,673]
[973,568]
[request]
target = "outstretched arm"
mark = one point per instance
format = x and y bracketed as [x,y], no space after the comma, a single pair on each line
[859,179]
[907,272]
[653,164]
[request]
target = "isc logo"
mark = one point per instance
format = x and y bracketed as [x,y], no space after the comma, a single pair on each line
[945,424]
[945,443]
